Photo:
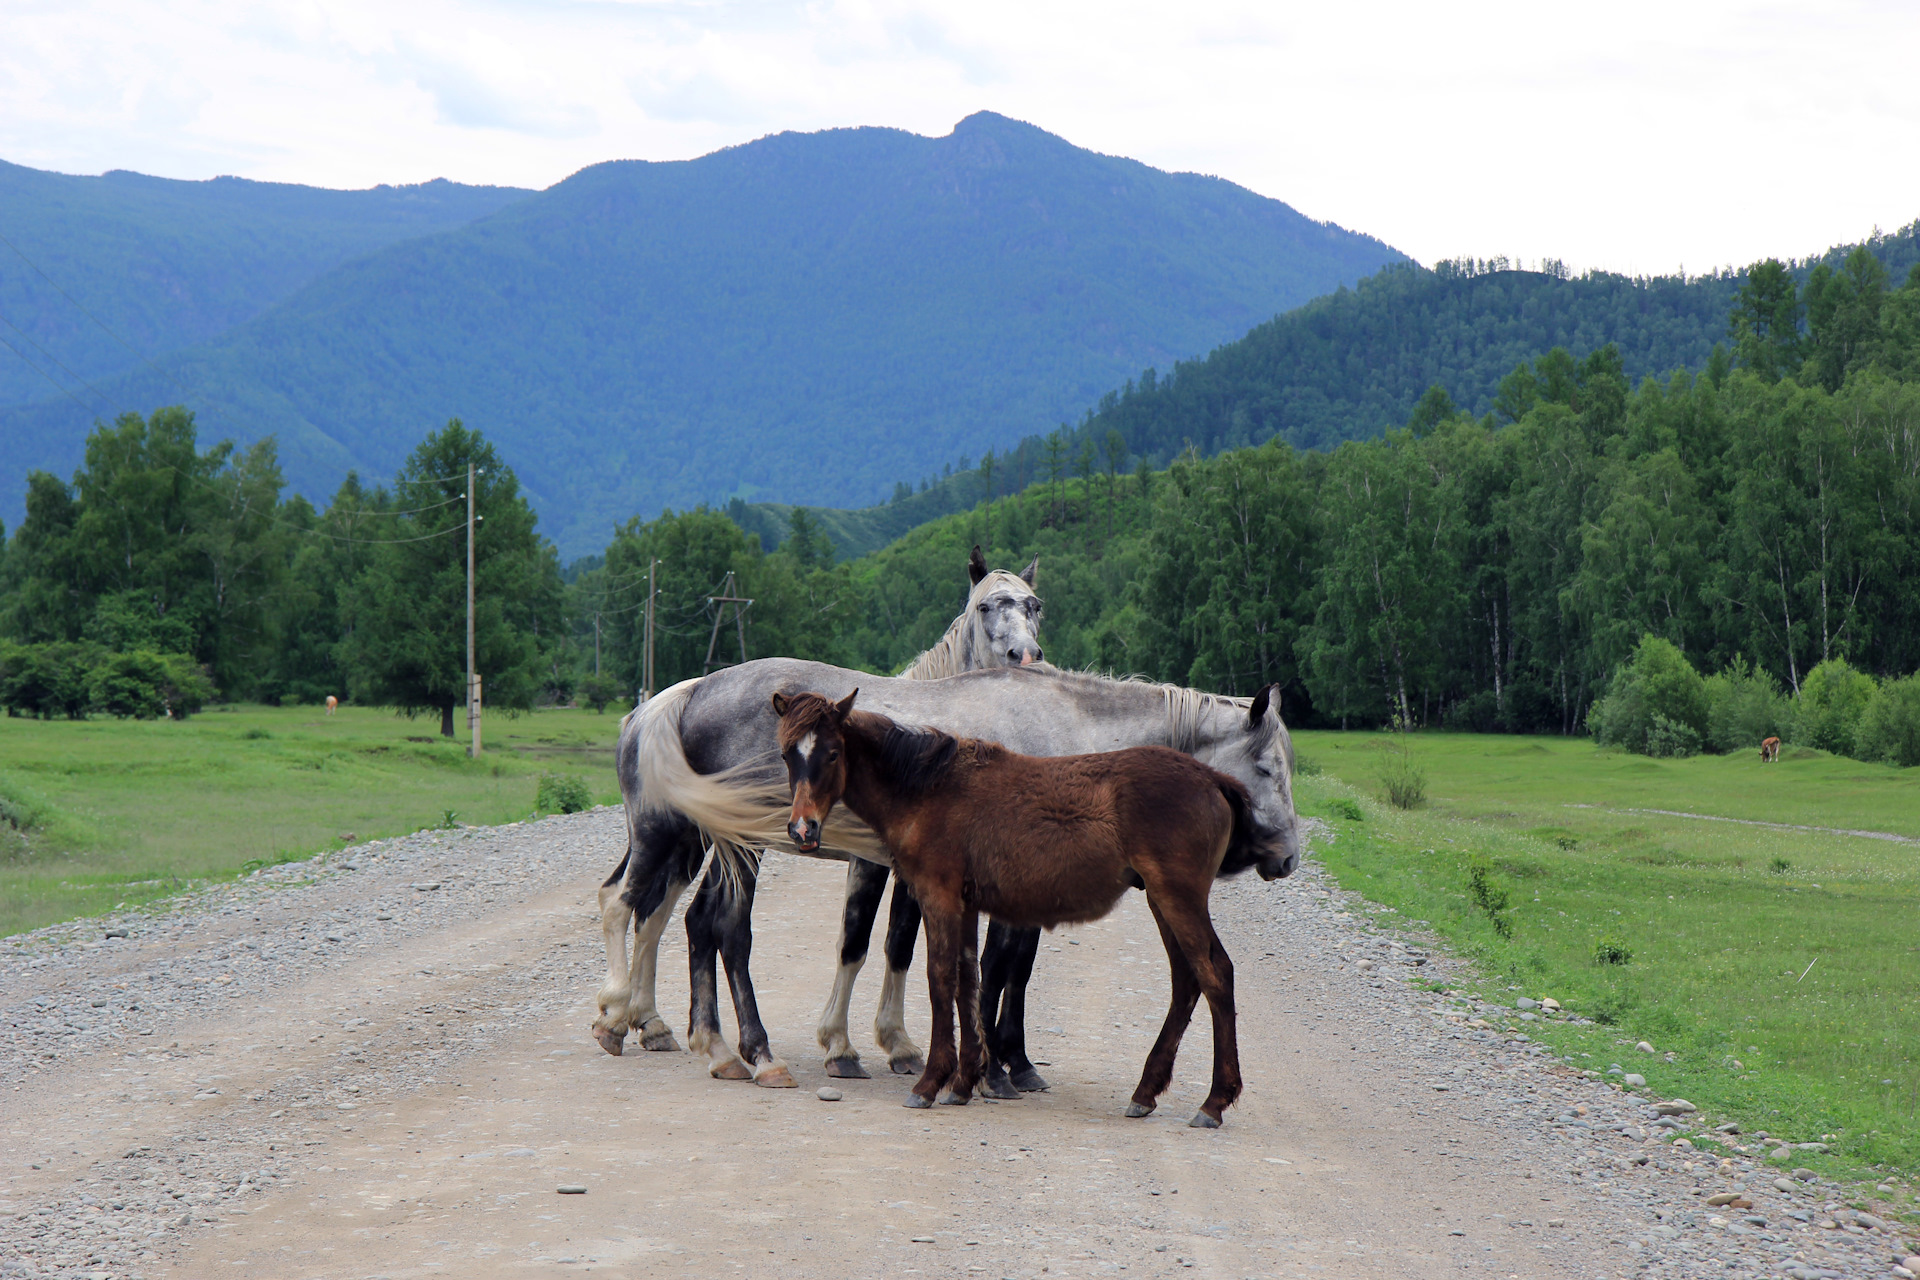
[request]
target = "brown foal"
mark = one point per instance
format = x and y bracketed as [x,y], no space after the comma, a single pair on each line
[963,819]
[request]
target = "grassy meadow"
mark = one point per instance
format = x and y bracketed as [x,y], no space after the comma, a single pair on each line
[1779,968]
[123,811]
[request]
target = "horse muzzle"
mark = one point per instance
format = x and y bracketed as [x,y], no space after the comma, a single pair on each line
[805,834]
[1278,868]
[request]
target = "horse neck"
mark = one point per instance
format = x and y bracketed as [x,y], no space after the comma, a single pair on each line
[872,796]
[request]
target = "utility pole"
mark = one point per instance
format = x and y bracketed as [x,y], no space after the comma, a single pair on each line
[473,677]
[740,606]
[646,647]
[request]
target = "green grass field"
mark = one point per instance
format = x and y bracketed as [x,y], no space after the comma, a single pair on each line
[1722,920]
[126,811]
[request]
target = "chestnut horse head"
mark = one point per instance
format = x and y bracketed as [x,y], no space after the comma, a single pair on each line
[811,744]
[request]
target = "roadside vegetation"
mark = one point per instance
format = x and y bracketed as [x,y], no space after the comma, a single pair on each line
[101,812]
[1774,970]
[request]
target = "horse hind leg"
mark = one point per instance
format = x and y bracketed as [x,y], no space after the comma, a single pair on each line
[966,1072]
[614,1017]
[996,960]
[703,949]
[889,1021]
[866,883]
[646,878]
[735,920]
[1185,923]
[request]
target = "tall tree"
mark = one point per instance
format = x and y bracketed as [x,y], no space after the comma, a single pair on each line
[408,648]
[1766,321]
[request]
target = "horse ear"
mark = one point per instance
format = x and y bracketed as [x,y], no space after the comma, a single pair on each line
[780,704]
[1028,574]
[976,565]
[1258,712]
[845,705]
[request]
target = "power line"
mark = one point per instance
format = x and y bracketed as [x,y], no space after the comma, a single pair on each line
[105,399]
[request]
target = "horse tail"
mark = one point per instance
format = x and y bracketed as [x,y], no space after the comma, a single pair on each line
[741,811]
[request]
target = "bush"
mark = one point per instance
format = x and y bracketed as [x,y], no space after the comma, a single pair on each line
[562,793]
[46,680]
[1832,700]
[598,691]
[1890,726]
[1611,951]
[1744,708]
[1668,740]
[1478,713]
[1651,698]
[1341,807]
[144,685]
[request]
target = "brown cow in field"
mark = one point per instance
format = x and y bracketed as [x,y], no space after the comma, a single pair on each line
[1770,751]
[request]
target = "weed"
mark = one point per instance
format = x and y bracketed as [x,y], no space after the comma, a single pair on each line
[449,819]
[1779,866]
[1611,951]
[1405,781]
[1489,897]
[255,734]
[1342,807]
[1305,766]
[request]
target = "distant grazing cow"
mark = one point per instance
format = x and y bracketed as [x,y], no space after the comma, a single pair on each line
[333,704]
[1770,750]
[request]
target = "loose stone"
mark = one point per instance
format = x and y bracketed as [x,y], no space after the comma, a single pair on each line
[829,1095]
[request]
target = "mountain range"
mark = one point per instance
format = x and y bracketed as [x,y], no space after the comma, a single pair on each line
[808,318]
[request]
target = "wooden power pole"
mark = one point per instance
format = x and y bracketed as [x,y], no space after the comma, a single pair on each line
[473,676]
[646,648]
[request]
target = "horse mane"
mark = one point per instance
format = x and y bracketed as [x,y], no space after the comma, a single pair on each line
[915,759]
[953,652]
[1187,709]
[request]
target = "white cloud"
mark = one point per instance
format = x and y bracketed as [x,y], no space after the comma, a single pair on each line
[1639,136]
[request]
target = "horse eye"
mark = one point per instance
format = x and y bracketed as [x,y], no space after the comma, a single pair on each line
[832,756]
[1263,771]
[986,608]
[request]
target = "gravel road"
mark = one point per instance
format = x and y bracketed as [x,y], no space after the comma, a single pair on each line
[378,1064]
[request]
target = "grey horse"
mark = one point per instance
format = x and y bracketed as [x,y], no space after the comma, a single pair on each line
[698,767]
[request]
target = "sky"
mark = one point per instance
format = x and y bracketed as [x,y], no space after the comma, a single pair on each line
[1636,137]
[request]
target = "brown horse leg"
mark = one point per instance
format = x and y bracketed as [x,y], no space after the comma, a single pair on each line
[966,1073]
[1158,1072]
[943,965]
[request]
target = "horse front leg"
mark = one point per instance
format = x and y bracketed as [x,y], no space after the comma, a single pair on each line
[943,965]
[866,883]
[614,1015]
[1215,973]
[996,962]
[967,1006]
[1158,1072]
[1009,1027]
[890,1019]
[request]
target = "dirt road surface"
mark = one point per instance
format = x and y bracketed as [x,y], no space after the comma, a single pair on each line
[378,1064]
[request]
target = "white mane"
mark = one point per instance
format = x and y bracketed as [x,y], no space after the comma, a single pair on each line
[963,647]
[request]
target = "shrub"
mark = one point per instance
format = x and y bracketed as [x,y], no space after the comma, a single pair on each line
[46,680]
[144,685]
[1832,699]
[1405,781]
[1478,713]
[562,793]
[1890,726]
[1656,684]
[598,691]
[1345,808]
[1667,739]
[1489,897]
[1779,866]
[1744,707]
[1611,951]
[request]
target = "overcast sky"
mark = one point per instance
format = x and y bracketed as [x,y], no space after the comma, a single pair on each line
[1634,136]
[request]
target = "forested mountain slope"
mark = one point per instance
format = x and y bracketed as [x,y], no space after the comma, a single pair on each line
[166,264]
[809,317]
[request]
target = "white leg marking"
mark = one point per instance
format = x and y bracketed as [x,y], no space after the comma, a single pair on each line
[832,1032]
[614,995]
[890,1020]
[642,1014]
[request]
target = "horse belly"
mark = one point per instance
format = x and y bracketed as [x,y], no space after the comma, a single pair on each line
[1040,893]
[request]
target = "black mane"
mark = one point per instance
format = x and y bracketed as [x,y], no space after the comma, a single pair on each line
[916,759]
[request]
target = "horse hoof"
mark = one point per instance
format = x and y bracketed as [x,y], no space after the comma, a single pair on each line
[731,1069]
[1202,1120]
[917,1103]
[659,1040]
[948,1098]
[908,1066]
[1027,1080]
[847,1069]
[774,1075]
[1137,1109]
[610,1040]
[998,1086]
